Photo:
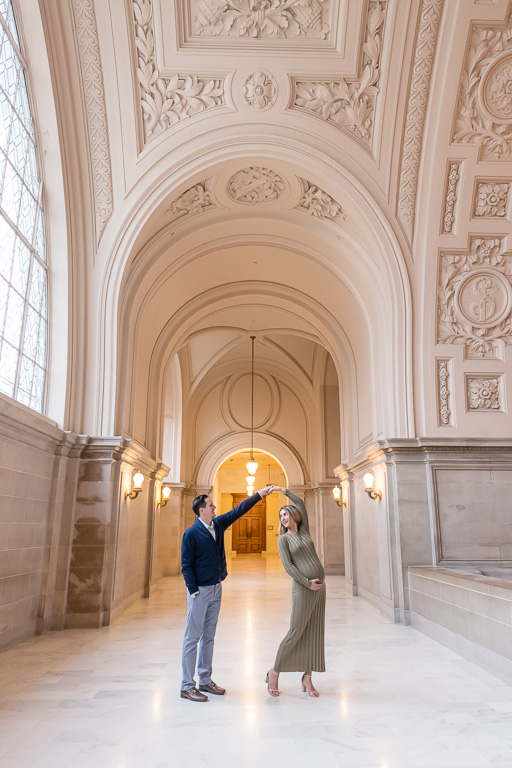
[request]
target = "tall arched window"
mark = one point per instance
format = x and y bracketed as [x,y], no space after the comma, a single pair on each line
[23,268]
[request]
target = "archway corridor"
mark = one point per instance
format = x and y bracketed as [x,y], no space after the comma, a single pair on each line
[390,698]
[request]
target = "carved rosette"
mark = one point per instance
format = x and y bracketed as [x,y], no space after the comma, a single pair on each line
[451,198]
[475,298]
[485,95]
[191,202]
[483,393]
[166,101]
[94,93]
[255,185]
[260,91]
[259,19]
[350,105]
[491,199]
[319,204]
[443,373]
[416,109]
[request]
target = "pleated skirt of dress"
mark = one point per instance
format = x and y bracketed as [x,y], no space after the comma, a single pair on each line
[303,648]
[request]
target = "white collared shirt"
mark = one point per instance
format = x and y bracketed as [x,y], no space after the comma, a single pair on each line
[210,528]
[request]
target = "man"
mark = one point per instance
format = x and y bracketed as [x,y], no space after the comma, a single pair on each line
[203,564]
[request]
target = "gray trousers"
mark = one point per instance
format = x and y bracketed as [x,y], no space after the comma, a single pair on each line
[202,615]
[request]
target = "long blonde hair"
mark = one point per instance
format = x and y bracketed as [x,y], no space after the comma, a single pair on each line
[294,513]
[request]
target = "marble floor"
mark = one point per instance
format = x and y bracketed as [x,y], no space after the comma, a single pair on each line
[391,697]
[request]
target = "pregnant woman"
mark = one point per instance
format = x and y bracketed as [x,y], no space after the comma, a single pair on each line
[302,649]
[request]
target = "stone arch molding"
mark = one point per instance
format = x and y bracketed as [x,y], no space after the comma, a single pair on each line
[222,449]
[119,290]
[324,328]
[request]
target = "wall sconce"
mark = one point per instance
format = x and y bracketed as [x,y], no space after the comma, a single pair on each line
[369,480]
[336,492]
[164,496]
[138,479]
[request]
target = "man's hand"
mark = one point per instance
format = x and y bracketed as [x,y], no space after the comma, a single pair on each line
[265,491]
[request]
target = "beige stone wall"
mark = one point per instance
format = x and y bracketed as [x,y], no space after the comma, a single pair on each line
[470,613]
[474,513]
[27,446]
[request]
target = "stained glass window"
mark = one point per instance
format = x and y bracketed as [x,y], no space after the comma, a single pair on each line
[23,268]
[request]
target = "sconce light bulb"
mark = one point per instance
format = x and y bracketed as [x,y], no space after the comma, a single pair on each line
[336,492]
[368,480]
[138,479]
[166,492]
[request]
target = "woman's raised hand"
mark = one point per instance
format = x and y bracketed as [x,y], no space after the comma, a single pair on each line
[315,585]
[278,488]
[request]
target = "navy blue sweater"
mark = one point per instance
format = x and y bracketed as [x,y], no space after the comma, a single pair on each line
[203,560]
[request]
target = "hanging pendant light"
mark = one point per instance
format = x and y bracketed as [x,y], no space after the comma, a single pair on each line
[252,465]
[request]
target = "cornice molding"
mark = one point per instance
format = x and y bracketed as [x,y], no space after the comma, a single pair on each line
[416,110]
[94,94]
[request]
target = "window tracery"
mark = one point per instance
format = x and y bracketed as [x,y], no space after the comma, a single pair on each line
[23,259]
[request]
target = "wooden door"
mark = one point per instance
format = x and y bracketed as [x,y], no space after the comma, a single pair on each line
[249,533]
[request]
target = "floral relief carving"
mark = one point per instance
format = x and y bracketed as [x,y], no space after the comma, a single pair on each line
[451,198]
[167,100]
[318,203]
[256,185]
[416,109]
[194,200]
[443,373]
[475,298]
[260,90]
[485,100]
[261,18]
[350,105]
[483,394]
[491,199]
[94,92]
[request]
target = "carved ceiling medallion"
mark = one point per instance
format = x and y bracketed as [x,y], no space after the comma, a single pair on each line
[260,91]
[483,394]
[496,89]
[492,199]
[475,298]
[483,298]
[256,185]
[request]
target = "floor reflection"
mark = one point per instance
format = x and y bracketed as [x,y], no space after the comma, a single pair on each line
[391,698]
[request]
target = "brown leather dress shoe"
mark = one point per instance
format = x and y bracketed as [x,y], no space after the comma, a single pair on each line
[192,694]
[213,688]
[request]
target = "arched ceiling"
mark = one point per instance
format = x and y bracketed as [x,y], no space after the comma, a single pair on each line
[291,167]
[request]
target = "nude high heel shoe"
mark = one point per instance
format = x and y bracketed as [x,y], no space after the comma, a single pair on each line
[313,692]
[271,691]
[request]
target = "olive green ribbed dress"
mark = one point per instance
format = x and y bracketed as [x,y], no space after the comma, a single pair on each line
[302,649]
